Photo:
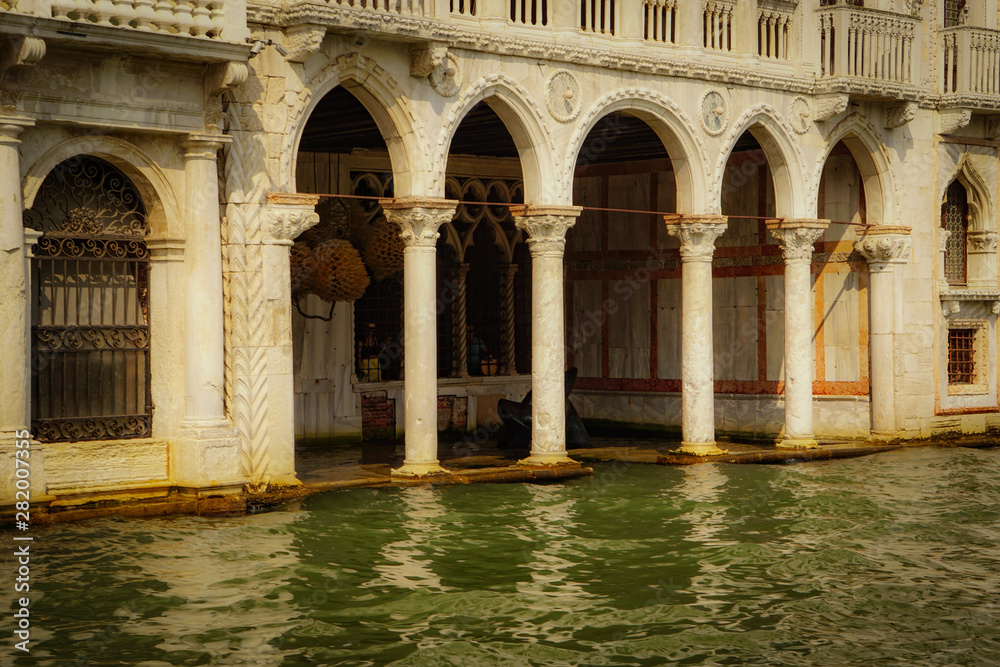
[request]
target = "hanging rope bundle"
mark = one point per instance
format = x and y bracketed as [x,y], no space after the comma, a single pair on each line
[340,273]
[303,268]
[381,247]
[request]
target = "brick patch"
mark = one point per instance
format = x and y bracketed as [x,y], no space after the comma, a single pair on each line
[378,416]
[452,413]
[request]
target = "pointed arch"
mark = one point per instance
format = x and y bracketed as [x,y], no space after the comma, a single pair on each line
[162,210]
[523,119]
[380,95]
[667,120]
[873,164]
[978,194]
[784,158]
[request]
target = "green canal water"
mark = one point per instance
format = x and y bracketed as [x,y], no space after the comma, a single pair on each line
[892,559]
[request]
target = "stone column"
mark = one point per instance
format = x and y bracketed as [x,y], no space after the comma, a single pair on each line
[459,344]
[546,227]
[419,219]
[15,314]
[796,238]
[508,357]
[207,455]
[697,234]
[285,217]
[943,236]
[982,259]
[883,246]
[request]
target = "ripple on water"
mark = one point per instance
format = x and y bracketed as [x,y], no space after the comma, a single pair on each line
[889,560]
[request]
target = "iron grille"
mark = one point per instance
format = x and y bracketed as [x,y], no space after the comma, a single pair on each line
[955,220]
[961,356]
[90,317]
[953,13]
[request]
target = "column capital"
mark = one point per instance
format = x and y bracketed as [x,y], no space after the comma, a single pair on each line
[796,236]
[12,126]
[546,226]
[697,234]
[419,218]
[982,241]
[943,236]
[882,244]
[288,214]
[201,145]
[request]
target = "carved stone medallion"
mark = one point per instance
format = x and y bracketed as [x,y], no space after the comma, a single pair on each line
[800,115]
[714,112]
[562,96]
[447,79]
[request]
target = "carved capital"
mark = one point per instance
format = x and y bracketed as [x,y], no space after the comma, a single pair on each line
[11,127]
[951,120]
[203,146]
[900,114]
[303,40]
[943,236]
[419,219]
[828,106]
[982,241]
[796,237]
[546,227]
[697,234]
[286,215]
[884,244]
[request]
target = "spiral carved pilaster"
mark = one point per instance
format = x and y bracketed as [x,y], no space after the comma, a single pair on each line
[459,319]
[508,363]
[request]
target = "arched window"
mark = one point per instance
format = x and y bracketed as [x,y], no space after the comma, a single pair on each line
[955,219]
[89,306]
[954,13]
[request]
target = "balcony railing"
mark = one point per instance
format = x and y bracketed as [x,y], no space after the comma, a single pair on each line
[659,20]
[970,61]
[868,44]
[206,19]
[719,24]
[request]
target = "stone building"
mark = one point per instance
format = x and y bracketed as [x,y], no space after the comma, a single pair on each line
[767,219]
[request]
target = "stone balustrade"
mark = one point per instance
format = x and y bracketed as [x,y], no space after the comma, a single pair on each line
[206,19]
[659,20]
[970,61]
[719,24]
[868,44]
[401,7]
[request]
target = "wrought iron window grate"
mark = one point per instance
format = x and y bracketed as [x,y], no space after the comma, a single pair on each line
[961,356]
[955,220]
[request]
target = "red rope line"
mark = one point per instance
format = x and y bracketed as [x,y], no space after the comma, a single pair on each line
[585,208]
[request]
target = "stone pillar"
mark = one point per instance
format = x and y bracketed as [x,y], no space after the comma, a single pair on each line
[943,236]
[459,344]
[697,234]
[546,227]
[796,238]
[419,219]
[207,455]
[690,28]
[508,333]
[982,259]
[285,217]
[883,246]
[15,315]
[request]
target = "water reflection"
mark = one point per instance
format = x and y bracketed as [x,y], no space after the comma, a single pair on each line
[550,515]
[406,563]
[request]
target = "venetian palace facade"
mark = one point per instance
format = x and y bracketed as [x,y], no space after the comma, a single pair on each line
[768,219]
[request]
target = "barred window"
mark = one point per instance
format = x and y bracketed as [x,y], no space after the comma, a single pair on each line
[955,219]
[961,356]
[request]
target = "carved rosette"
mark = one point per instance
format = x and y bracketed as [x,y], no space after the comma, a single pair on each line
[982,241]
[287,215]
[800,115]
[419,219]
[697,234]
[796,237]
[882,245]
[546,227]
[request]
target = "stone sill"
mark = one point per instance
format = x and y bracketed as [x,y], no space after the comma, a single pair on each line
[970,295]
[75,33]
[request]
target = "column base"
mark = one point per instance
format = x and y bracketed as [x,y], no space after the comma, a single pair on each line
[882,438]
[797,443]
[207,455]
[412,470]
[548,460]
[700,449]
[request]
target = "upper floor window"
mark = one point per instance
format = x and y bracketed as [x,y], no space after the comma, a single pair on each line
[955,219]
[954,13]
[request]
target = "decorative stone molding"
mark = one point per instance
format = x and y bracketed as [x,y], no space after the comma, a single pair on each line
[303,40]
[447,79]
[419,218]
[15,51]
[828,106]
[951,120]
[714,112]
[800,114]
[949,308]
[562,95]
[884,244]
[900,114]
[219,78]
[796,237]
[982,241]
[697,234]
[287,215]
[546,226]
